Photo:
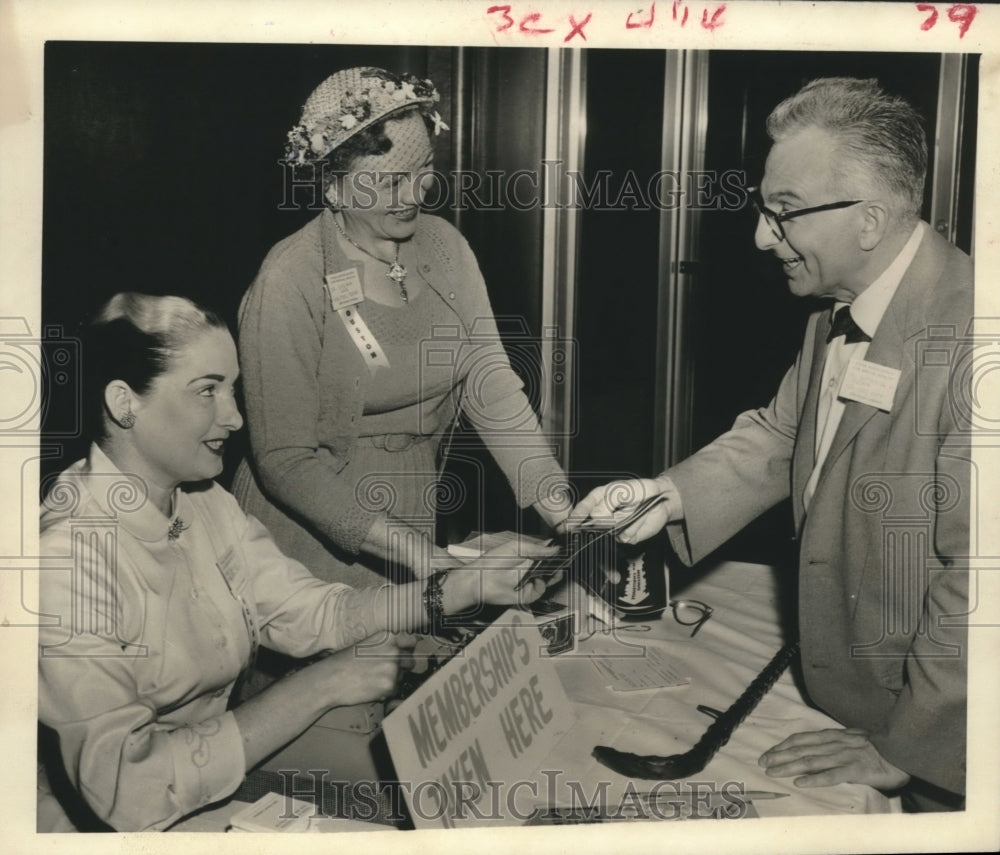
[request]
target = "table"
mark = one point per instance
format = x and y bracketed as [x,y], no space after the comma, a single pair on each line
[725,655]
[212,819]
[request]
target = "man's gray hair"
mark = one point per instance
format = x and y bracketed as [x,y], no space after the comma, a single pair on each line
[879,133]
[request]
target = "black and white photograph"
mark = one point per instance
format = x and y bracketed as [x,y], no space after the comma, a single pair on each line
[503,425]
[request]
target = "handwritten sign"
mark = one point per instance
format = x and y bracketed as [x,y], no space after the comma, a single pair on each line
[482,722]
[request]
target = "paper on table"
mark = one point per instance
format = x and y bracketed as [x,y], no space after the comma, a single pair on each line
[276,812]
[654,669]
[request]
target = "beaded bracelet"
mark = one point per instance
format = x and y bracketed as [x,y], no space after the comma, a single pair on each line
[434,598]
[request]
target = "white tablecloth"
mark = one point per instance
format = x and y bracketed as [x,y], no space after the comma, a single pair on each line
[721,660]
[729,650]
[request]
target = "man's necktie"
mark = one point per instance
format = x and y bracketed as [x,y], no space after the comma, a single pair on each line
[843,324]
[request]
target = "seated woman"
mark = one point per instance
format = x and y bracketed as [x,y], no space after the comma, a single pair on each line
[168,587]
[363,336]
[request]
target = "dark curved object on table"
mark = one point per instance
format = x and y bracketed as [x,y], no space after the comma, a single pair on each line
[676,766]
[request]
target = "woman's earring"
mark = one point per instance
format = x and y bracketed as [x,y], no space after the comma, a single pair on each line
[127,420]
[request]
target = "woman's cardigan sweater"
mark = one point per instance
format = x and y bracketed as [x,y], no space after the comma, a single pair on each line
[306,382]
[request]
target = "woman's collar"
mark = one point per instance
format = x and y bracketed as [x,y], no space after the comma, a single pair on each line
[124,497]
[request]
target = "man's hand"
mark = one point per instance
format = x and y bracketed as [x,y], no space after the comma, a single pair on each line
[615,501]
[823,758]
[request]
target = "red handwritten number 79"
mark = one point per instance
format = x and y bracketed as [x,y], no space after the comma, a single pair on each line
[962,14]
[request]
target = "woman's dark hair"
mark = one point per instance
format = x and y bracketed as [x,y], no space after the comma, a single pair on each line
[133,338]
[371,140]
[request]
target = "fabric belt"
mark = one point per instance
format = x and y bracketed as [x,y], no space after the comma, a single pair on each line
[395,441]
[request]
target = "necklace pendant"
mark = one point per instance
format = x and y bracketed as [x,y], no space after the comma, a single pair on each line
[397,273]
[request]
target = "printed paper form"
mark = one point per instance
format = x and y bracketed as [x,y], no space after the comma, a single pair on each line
[654,669]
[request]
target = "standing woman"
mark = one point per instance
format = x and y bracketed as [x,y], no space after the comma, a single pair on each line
[363,336]
[160,590]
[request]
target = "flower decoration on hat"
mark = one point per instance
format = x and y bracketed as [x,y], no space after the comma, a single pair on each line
[350,101]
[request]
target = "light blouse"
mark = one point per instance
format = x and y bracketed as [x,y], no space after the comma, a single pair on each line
[149,622]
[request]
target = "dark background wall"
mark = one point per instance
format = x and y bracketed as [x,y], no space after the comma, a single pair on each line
[162,175]
[618,266]
[161,163]
[161,169]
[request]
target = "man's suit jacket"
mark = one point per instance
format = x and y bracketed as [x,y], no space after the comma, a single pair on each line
[883,588]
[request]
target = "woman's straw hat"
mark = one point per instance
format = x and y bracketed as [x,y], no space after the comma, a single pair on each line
[350,101]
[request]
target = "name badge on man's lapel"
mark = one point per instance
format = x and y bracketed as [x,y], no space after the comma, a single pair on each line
[869,383]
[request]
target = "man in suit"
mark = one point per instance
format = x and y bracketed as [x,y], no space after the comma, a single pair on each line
[865,437]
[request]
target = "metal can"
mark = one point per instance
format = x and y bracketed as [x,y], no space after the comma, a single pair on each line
[632,578]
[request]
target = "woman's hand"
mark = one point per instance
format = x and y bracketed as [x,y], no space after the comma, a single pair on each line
[355,675]
[615,501]
[494,577]
[359,674]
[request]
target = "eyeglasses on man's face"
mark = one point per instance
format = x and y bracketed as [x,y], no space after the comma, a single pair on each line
[774,219]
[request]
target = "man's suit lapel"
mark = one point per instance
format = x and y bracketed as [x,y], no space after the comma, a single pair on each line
[805,445]
[903,319]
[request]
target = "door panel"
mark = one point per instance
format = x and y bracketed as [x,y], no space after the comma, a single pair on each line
[618,265]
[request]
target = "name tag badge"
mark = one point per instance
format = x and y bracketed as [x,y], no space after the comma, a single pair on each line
[870,383]
[344,288]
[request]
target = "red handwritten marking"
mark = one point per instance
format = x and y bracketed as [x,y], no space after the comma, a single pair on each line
[646,24]
[714,23]
[711,18]
[932,20]
[533,18]
[963,15]
[505,11]
[577,29]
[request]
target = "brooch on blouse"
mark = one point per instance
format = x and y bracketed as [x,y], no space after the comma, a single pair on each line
[176,527]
